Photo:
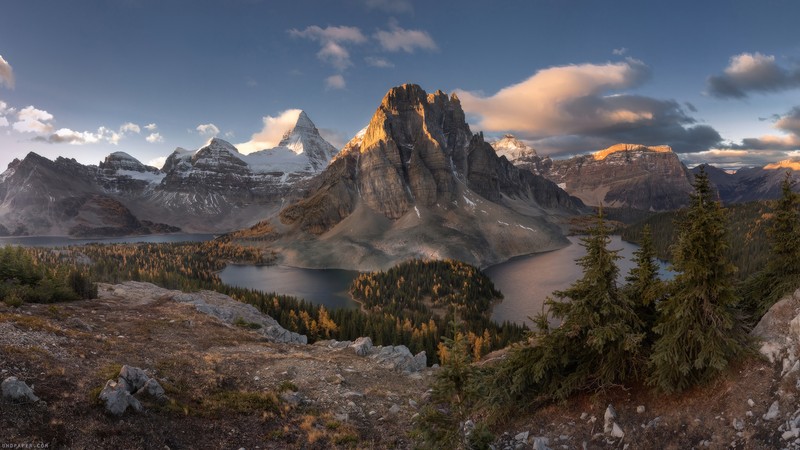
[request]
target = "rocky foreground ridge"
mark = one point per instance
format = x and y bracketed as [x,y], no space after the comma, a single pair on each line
[231,386]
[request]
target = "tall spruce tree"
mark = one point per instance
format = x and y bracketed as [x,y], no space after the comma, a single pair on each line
[644,286]
[698,329]
[597,343]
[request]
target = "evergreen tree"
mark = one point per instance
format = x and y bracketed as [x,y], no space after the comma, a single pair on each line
[597,343]
[644,287]
[782,271]
[698,329]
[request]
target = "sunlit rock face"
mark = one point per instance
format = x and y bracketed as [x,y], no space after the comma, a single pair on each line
[626,175]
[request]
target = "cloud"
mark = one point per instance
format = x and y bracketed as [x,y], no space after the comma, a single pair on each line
[332,40]
[154,138]
[752,72]
[151,127]
[69,136]
[375,61]
[6,73]
[129,127]
[396,39]
[207,129]
[335,82]
[619,51]
[390,6]
[565,107]
[788,124]
[3,122]
[32,120]
[157,162]
[272,132]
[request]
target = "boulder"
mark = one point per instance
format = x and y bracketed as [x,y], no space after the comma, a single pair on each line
[133,378]
[17,390]
[117,398]
[362,346]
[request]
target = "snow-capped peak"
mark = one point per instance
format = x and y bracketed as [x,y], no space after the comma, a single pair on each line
[512,148]
[216,144]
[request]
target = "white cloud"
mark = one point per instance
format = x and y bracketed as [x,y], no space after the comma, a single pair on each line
[207,129]
[375,61]
[157,162]
[129,127]
[154,138]
[272,132]
[3,121]
[151,127]
[4,109]
[619,51]
[396,39]
[335,82]
[6,73]
[32,120]
[332,40]
[65,135]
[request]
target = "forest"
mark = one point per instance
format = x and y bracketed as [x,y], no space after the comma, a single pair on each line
[195,265]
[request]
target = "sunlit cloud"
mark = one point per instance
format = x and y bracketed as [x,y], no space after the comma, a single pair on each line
[207,129]
[6,73]
[151,127]
[3,121]
[396,39]
[568,107]
[272,132]
[788,124]
[752,72]
[154,138]
[732,158]
[32,120]
[335,82]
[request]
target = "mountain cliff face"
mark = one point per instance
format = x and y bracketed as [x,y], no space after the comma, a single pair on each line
[626,175]
[417,182]
[213,189]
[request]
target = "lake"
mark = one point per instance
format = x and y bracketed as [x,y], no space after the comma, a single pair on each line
[63,241]
[524,281]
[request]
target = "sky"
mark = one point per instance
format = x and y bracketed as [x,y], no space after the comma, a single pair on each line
[719,81]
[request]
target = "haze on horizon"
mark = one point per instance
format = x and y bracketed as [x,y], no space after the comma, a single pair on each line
[719,81]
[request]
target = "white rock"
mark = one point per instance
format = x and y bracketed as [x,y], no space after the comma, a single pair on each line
[738,424]
[640,409]
[750,402]
[773,411]
[616,431]
[522,437]
[609,418]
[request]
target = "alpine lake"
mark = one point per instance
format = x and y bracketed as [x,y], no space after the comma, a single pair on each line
[525,281]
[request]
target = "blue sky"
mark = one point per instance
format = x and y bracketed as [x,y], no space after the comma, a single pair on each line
[717,80]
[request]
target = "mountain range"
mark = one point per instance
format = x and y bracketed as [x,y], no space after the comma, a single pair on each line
[416,182]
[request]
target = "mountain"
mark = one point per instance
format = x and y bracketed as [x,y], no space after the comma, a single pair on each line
[752,183]
[418,183]
[626,175]
[521,155]
[213,189]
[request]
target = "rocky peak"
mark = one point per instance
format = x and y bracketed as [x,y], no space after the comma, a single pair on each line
[304,139]
[512,148]
[623,148]
[123,161]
